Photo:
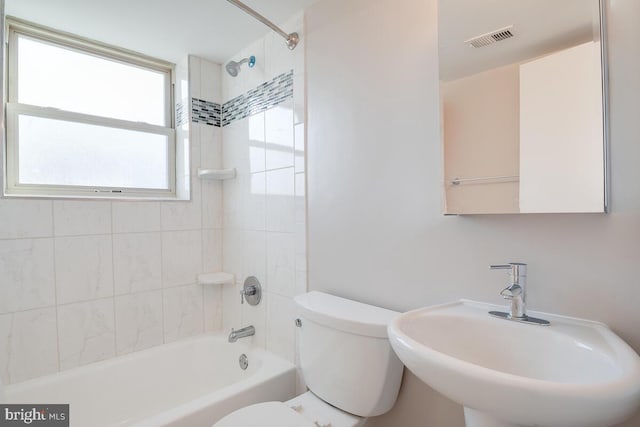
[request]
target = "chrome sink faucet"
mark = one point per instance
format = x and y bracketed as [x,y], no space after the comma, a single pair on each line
[241,333]
[516,292]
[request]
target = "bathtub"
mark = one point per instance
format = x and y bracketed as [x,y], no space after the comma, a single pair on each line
[193,382]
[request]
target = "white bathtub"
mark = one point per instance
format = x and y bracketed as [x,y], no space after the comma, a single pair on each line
[192,383]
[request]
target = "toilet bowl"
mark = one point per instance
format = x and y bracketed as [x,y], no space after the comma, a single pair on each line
[346,361]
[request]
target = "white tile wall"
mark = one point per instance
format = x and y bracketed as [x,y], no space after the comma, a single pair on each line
[183,312]
[82,280]
[26,274]
[265,208]
[78,218]
[181,257]
[137,262]
[138,321]
[26,218]
[86,332]
[131,217]
[84,268]
[30,342]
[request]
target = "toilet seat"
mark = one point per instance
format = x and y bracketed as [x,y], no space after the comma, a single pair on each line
[306,410]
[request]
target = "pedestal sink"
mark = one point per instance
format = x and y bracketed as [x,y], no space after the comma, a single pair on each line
[572,373]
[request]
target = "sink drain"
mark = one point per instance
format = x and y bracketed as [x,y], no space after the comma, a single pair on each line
[244,361]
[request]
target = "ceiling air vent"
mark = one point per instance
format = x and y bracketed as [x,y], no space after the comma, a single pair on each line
[491,37]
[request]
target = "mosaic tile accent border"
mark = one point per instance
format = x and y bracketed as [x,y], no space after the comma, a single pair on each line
[206,112]
[267,95]
[181,117]
[263,97]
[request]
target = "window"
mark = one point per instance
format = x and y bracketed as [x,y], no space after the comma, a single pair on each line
[85,119]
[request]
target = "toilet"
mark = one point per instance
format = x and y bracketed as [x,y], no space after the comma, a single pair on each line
[346,361]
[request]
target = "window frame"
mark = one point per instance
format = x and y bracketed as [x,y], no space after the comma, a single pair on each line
[13,109]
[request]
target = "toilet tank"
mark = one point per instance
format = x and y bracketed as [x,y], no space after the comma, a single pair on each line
[345,355]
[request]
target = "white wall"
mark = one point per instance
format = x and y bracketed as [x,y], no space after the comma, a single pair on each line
[264,207]
[82,281]
[375,229]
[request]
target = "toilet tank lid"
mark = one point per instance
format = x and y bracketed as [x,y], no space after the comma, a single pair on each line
[344,314]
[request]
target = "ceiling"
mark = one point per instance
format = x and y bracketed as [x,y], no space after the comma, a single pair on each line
[165,29]
[540,27]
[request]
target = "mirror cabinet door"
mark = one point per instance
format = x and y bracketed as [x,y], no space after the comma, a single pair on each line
[523,88]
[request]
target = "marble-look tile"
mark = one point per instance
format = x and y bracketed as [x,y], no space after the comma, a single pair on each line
[212,209]
[301,247]
[280,206]
[25,218]
[130,217]
[281,334]
[211,250]
[300,200]
[210,78]
[83,268]
[210,147]
[281,263]
[137,262]
[255,201]
[194,75]
[256,75]
[26,274]
[194,156]
[254,143]
[181,257]
[279,136]
[212,308]
[183,215]
[254,255]
[235,146]
[233,202]
[232,253]
[231,307]
[256,316]
[300,147]
[138,321]
[183,313]
[301,282]
[299,98]
[81,217]
[86,332]
[280,57]
[28,346]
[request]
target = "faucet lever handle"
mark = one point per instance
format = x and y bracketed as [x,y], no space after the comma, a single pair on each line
[501,267]
[512,291]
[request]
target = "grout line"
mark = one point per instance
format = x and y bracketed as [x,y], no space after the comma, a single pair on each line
[55,297]
[162,287]
[113,285]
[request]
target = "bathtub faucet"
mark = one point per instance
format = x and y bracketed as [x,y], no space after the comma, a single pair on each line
[241,333]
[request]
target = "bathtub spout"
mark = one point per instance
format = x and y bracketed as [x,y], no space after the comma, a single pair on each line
[241,333]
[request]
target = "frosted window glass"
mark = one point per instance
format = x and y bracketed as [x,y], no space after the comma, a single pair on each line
[50,76]
[57,152]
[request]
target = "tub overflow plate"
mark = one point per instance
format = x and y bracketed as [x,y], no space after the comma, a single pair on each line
[244,361]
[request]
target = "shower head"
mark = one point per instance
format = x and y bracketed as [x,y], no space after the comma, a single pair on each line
[233,67]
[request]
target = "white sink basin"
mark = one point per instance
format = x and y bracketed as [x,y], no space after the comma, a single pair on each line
[573,372]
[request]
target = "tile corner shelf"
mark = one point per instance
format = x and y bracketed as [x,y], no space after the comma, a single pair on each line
[215,278]
[217,174]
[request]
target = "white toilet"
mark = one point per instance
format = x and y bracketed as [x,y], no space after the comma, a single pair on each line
[346,361]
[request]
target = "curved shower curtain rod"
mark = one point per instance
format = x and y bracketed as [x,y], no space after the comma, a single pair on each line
[292,39]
